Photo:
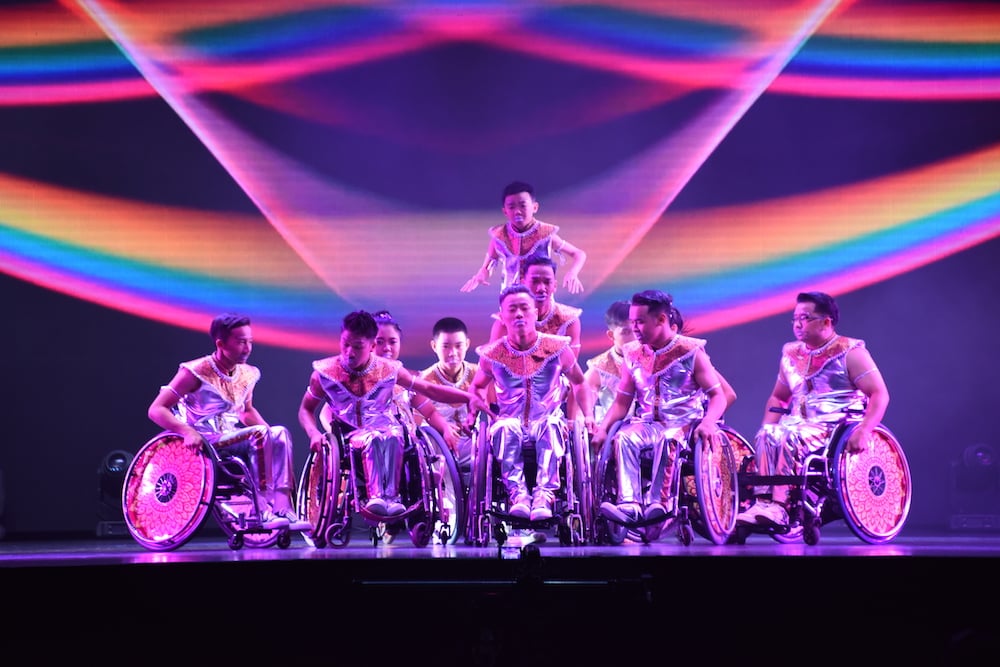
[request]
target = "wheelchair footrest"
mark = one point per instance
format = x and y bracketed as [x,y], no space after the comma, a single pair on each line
[612,513]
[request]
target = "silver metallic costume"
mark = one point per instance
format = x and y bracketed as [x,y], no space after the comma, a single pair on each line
[527,385]
[365,402]
[455,413]
[515,247]
[668,403]
[214,411]
[822,396]
[608,366]
[556,322]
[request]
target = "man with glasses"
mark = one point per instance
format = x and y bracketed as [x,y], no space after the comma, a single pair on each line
[821,377]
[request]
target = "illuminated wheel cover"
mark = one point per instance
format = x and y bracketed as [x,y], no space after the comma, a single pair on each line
[716,484]
[167,492]
[873,486]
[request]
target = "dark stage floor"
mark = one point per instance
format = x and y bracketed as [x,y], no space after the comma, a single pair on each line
[932,597]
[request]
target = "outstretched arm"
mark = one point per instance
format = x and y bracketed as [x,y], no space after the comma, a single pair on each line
[482,276]
[577,256]
[440,393]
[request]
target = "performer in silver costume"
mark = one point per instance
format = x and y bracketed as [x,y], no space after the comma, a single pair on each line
[822,377]
[521,237]
[359,386]
[554,318]
[604,370]
[210,399]
[450,342]
[667,375]
[525,368]
[388,344]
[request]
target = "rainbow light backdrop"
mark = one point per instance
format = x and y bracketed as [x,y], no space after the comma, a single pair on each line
[364,147]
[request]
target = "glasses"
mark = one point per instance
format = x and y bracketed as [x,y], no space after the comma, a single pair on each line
[802,319]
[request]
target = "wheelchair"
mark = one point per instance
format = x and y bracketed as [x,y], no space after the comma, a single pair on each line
[169,489]
[332,491]
[704,487]
[488,515]
[870,491]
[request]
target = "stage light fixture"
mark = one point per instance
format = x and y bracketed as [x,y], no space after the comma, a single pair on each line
[979,470]
[110,478]
[975,489]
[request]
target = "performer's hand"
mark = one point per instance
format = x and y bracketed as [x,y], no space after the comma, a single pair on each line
[475,281]
[194,441]
[573,284]
[708,432]
[316,442]
[858,440]
[451,436]
[478,405]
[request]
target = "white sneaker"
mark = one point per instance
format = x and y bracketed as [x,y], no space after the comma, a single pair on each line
[273,522]
[764,512]
[394,508]
[632,511]
[376,506]
[520,508]
[541,508]
[750,514]
[294,522]
[654,512]
[775,514]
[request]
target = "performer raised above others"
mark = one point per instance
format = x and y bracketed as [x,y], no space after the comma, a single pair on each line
[524,236]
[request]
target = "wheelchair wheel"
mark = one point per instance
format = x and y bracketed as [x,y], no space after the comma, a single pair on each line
[420,534]
[338,535]
[239,535]
[449,500]
[610,532]
[605,489]
[684,533]
[167,492]
[746,465]
[793,536]
[873,487]
[317,487]
[581,531]
[480,489]
[715,476]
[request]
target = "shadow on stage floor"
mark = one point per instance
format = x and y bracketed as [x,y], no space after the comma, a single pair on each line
[926,597]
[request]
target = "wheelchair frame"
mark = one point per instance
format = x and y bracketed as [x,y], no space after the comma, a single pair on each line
[870,491]
[169,489]
[332,489]
[487,515]
[701,470]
